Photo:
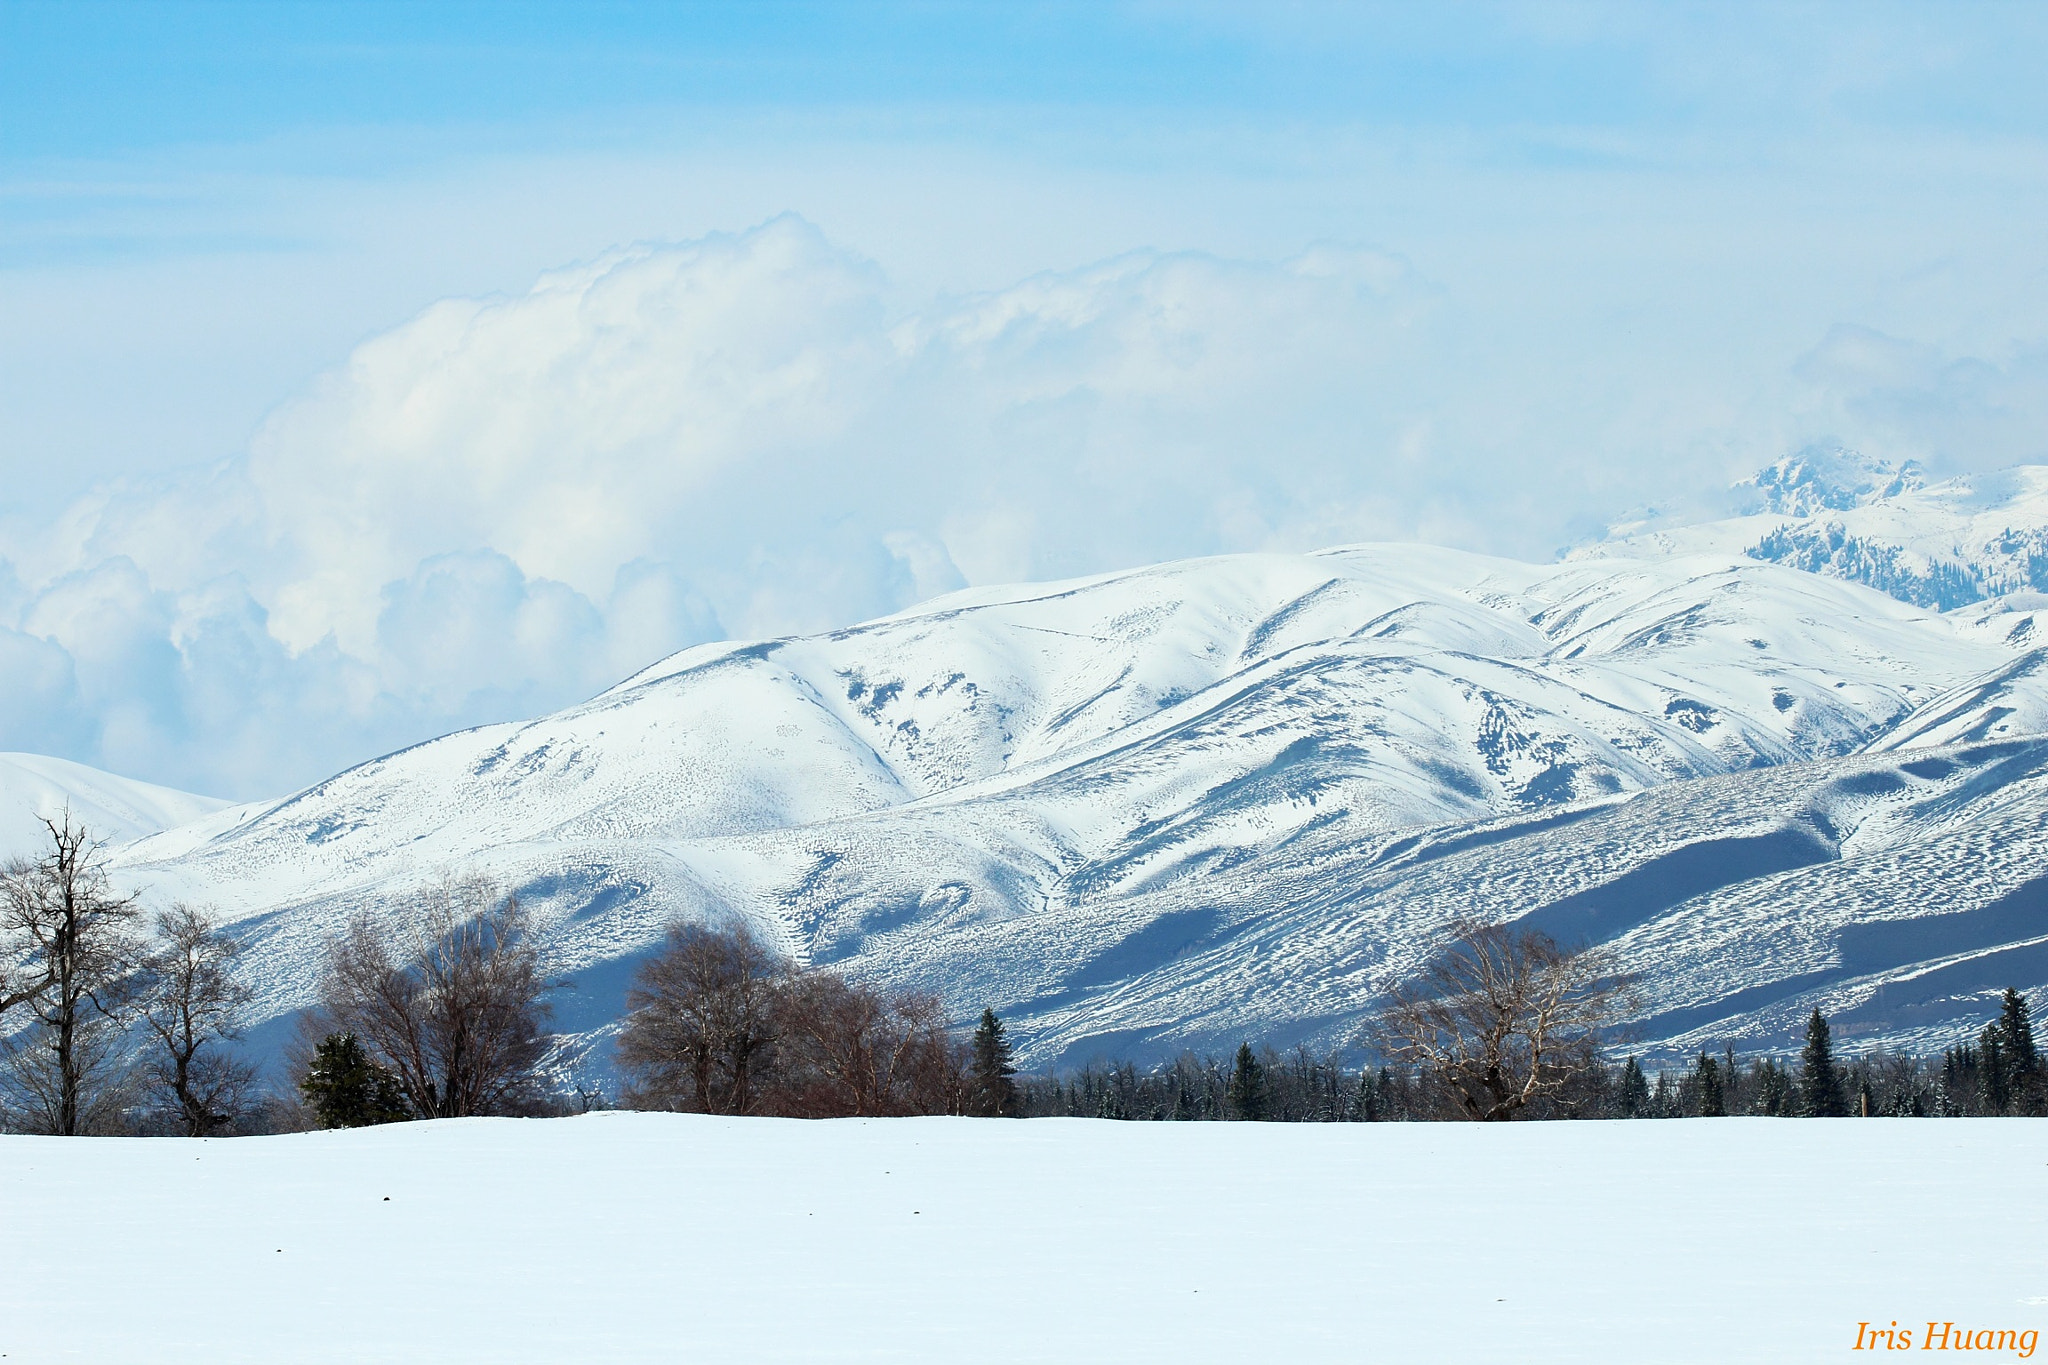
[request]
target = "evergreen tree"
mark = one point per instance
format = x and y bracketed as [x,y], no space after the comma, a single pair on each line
[1994,1071]
[1713,1105]
[1820,1082]
[1634,1098]
[345,1089]
[1247,1092]
[2016,1037]
[1664,1102]
[1773,1089]
[992,1091]
[1368,1101]
[1112,1105]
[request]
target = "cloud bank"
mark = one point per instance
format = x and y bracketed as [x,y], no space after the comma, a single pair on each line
[507,504]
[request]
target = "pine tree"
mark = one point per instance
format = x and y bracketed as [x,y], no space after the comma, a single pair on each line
[1247,1092]
[993,1093]
[2016,1036]
[1367,1102]
[345,1089]
[1713,1105]
[1994,1071]
[1773,1089]
[1820,1082]
[1634,1100]
[1664,1100]
[1958,1079]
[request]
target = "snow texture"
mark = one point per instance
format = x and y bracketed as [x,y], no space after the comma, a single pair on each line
[659,1237]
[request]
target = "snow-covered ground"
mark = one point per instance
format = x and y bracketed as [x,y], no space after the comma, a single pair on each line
[639,1237]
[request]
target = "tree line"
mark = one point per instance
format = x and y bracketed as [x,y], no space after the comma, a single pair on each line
[116,1022]
[2001,1074]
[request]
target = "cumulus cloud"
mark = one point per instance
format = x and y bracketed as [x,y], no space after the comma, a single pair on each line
[506,504]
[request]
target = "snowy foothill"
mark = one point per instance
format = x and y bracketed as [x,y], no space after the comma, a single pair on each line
[117,809]
[667,1237]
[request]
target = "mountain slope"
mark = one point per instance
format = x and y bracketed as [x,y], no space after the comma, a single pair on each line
[116,809]
[1176,804]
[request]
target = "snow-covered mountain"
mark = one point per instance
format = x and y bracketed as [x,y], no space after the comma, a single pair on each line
[1942,545]
[1211,799]
[116,809]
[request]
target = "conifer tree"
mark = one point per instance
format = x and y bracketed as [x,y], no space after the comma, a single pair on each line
[1713,1105]
[1994,1071]
[994,1093]
[1958,1079]
[1367,1103]
[1820,1081]
[1247,1092]
[1633,1099]
[345,1089]
[1773,1088]
[2016,1037]
[1664,1100]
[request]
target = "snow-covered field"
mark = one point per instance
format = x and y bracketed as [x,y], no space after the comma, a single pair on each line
[642,1237]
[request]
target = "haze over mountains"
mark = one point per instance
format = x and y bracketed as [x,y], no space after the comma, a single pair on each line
[1232,797]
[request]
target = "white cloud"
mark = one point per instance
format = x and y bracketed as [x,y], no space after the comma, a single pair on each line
[506,504]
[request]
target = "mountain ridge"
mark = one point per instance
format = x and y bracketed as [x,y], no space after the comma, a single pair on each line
[1102,806]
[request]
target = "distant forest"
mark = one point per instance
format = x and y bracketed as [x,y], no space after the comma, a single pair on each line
[1974,1080]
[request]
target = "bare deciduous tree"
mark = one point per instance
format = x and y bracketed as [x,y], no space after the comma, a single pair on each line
[191,1005]
[1502,1017]
[855,1052]
[69,949]
[719,1023]
[700,1029]
[455,1013]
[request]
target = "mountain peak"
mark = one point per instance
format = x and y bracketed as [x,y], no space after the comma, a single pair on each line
[1822,479]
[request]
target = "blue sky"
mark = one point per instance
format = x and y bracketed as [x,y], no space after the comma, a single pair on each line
[368,370]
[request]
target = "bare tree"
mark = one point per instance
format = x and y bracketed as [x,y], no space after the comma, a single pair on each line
[70,950]
[718,1023]
[191,1005]
[456,1013]
[701,1026]
[853,1051]
[1502,1017]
